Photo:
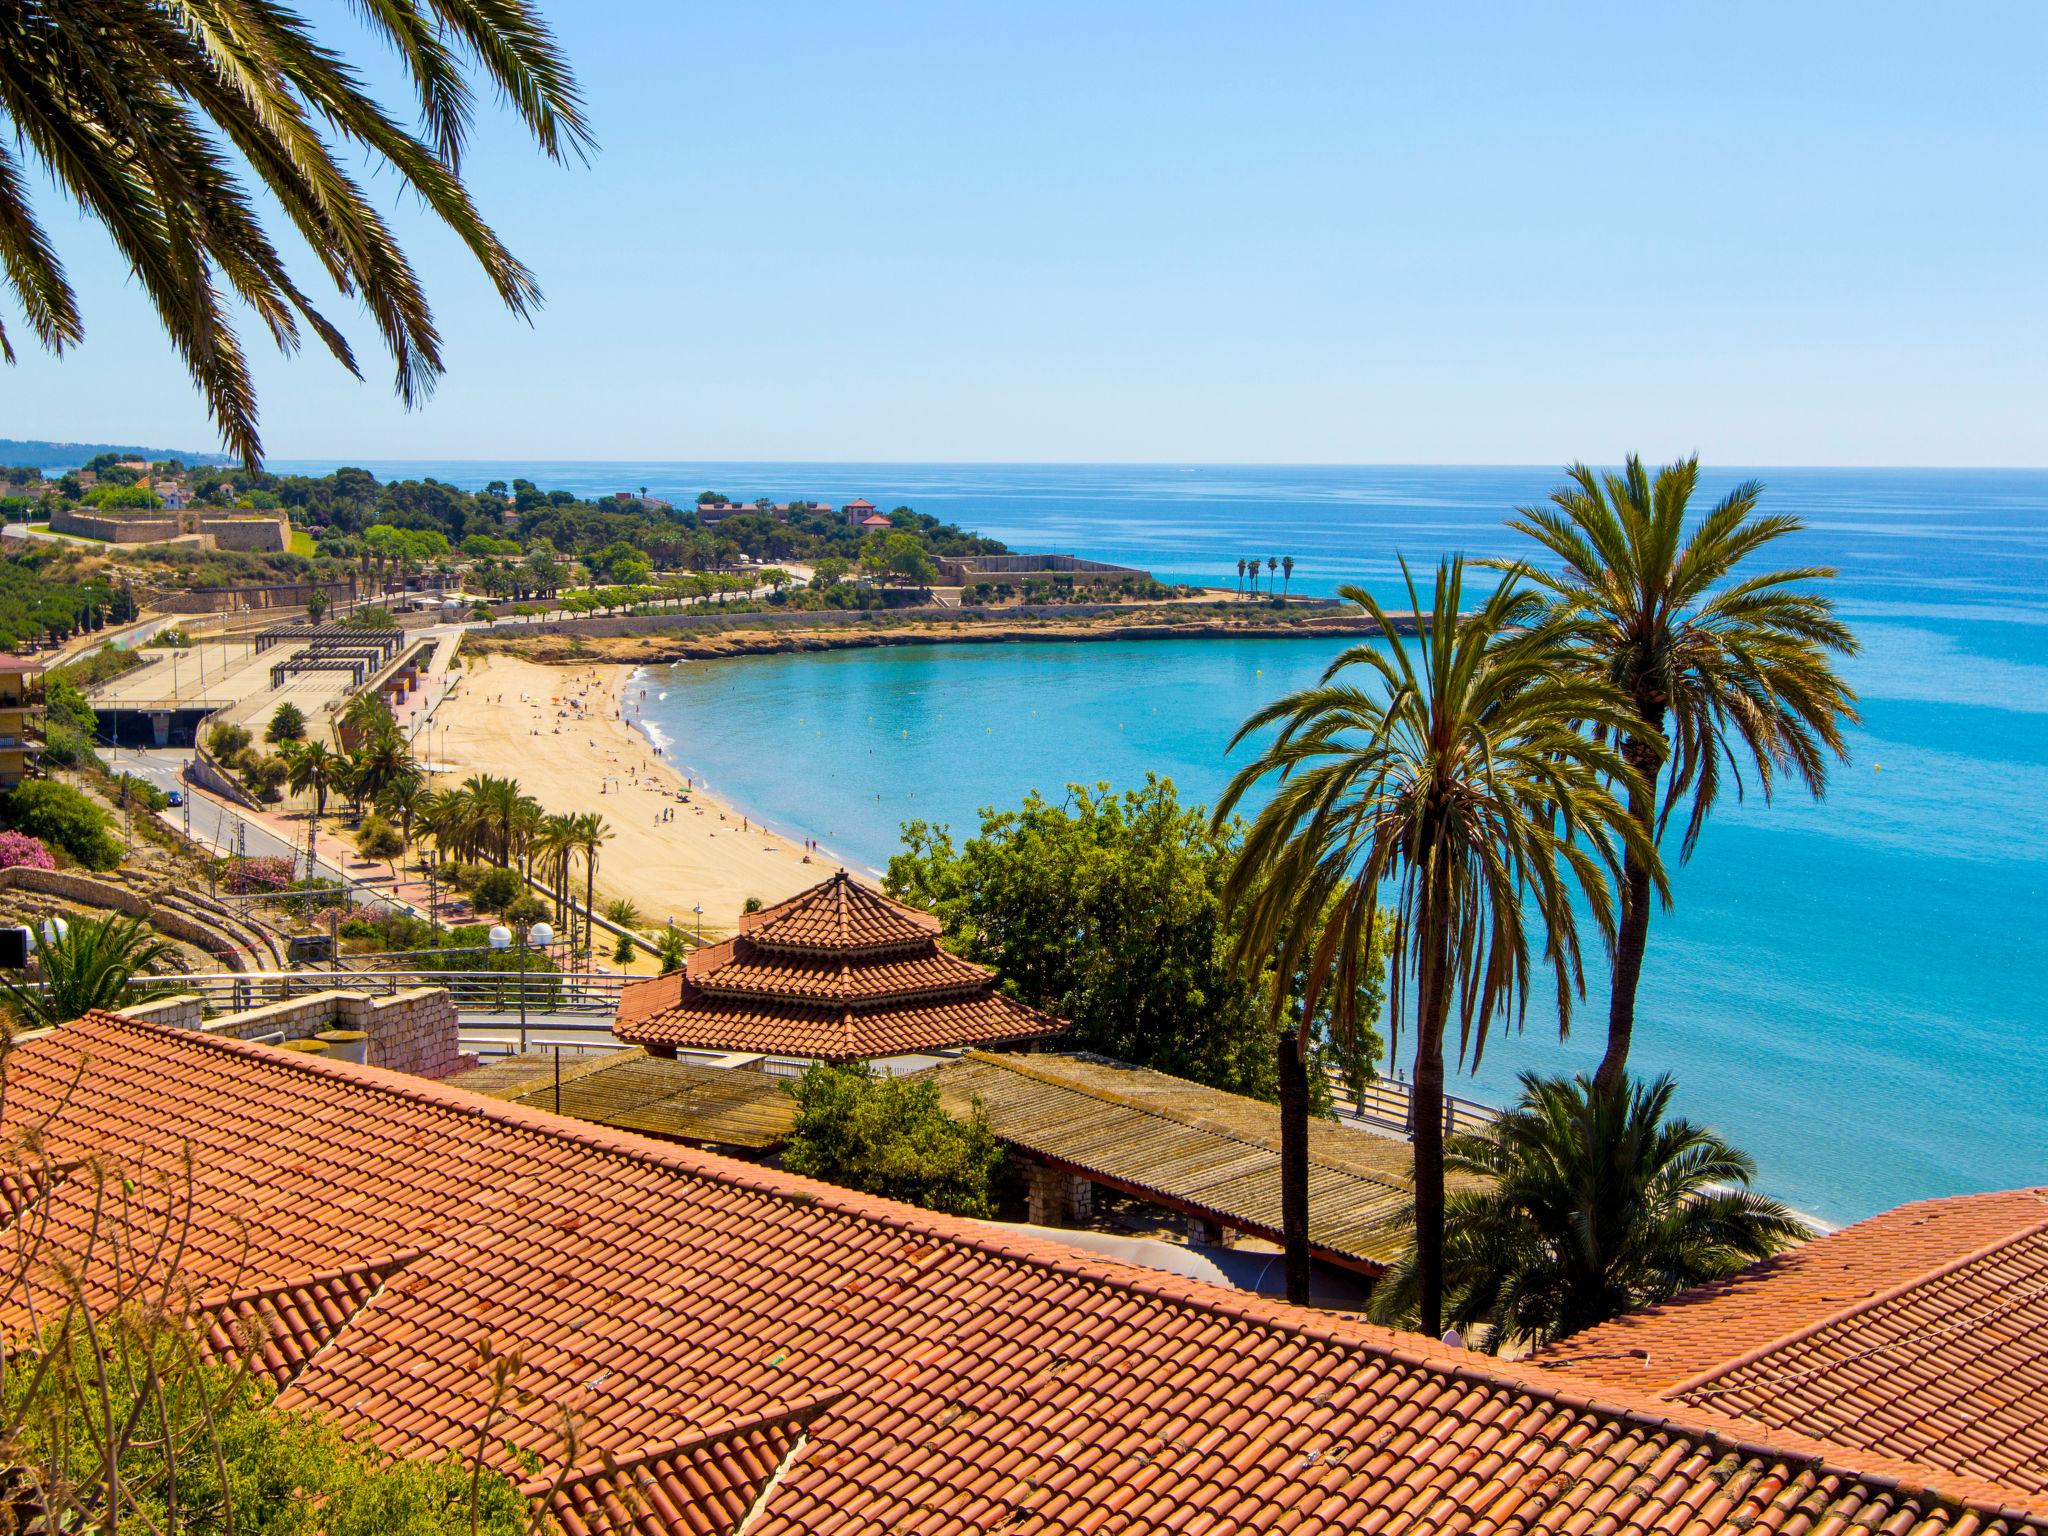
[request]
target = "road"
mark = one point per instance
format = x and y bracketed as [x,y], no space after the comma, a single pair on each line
[212,822]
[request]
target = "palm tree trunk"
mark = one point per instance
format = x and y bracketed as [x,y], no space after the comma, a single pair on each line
[1294,1163]
[1633,937]
[1426,1104]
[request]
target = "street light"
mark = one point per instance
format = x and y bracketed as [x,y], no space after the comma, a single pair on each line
[540,935]
[699,910]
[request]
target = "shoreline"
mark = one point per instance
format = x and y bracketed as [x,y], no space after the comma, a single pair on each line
[563,733]
[630,675]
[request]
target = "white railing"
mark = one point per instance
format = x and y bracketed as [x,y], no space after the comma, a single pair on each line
[543,992]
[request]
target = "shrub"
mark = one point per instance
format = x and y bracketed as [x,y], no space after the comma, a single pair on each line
[226,741]
[496,889]
[264,775]
[244,877]
[890,1136]
[63,819]
[20,851]
[464,876]
[143,793]
[522,911]
[378,839]
[751,905]
[287,724]
[623,912]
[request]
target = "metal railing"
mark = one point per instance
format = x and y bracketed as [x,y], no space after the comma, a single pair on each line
[1387,1104]
[545,992]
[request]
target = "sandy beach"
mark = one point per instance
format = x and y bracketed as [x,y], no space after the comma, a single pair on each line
[559,732]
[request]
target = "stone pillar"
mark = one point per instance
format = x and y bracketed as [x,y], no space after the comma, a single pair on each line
[1057,1199]
[1209,1234]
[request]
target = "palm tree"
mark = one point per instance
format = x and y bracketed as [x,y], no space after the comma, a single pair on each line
[1272,570]
[591,835]
[1717,668]
[380,761]
[553,847]
[1588,1202]
[1459,777]
[311,767]
[1240,575]
[90,966]
[127,106]
[1251,567]
[404,797]
[1286,573]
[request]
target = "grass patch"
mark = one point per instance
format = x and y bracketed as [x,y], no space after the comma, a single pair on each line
[302,543]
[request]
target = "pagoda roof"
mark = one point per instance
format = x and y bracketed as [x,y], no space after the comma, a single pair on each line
[837,917]
[838,972]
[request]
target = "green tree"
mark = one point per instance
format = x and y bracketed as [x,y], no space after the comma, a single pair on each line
[1586,1202]
[287,723]
[89,967]
[316,605]
[203,1447]
[312,767]
[890,1136]
[64,819]
[376,838]
[674,951]
[497,889]
[172,86]
[1718,667]
[1459,784]
[1108,911]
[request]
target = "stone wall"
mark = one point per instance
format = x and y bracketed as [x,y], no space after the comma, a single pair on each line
[227,532]
[250,534]
[114,530]
[89,892]
[414,1031]
[261,599]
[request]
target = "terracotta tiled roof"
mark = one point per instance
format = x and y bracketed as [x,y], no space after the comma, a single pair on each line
[738,968]
[287,1324]
[838,972]
[839,916]
[734,1338]
[704,1485]
[1921,1333]
[679,1016]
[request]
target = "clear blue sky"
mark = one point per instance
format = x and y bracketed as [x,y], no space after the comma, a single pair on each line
[1779,234]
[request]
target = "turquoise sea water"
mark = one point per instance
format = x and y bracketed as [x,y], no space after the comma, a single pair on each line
[1851,990]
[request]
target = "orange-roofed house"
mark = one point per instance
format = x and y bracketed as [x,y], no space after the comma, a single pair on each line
[837,973]
[1920,1334]
[858,510]
[744,1352]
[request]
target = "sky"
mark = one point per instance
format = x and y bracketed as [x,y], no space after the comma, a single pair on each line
[1295,233]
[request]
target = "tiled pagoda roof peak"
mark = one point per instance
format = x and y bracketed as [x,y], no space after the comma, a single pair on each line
[840,916]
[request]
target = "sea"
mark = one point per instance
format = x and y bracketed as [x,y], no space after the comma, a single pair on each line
[1851,989]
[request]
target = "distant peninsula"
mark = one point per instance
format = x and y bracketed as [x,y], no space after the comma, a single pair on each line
[36,453]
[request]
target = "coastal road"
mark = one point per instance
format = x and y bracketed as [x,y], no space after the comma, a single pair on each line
[213,822]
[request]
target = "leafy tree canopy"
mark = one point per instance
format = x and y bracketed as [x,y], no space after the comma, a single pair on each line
[1107,910]
[890,1136]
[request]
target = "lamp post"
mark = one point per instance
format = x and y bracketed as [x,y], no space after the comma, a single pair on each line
[540,935]
[699,910]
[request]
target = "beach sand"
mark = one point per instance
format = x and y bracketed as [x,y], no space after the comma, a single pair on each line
[586,758]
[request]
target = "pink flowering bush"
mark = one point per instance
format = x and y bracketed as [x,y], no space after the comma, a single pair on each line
[20,851]
[251,875]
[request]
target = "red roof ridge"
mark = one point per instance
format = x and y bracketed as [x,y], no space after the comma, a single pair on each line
[385,1264]
[1701,1379]
[800,1412]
